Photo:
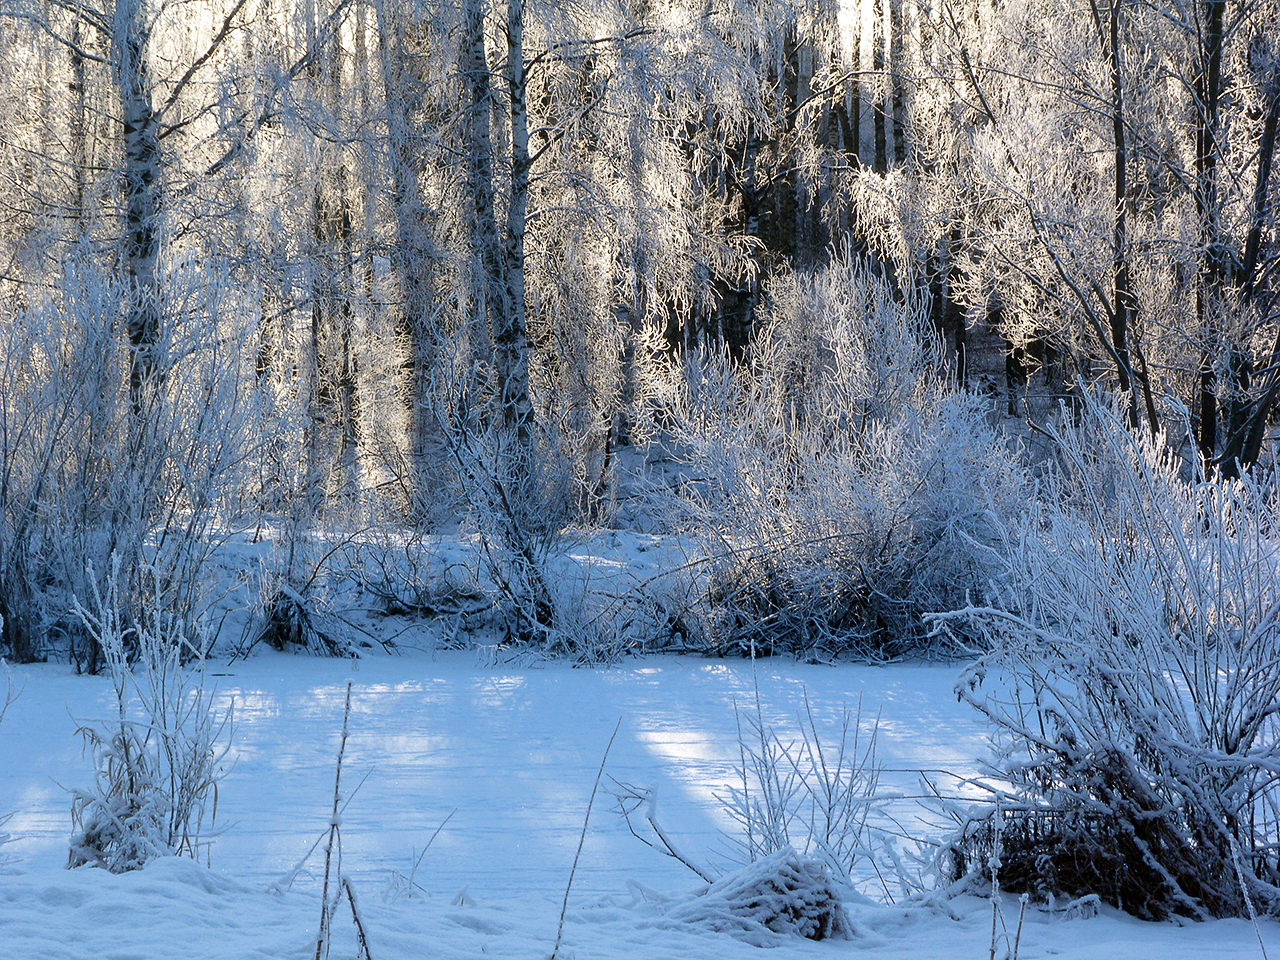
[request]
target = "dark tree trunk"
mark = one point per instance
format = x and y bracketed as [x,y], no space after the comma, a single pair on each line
[79,126]
[1208,89]
[897,81]
[333,283]
[1122,299]
[1247,428]
[879,101]
[948,315]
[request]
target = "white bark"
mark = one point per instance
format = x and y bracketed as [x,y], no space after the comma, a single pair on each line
[510,337]
[142,183]
[411,259]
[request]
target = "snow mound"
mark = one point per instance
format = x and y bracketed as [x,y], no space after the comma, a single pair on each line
[781,895]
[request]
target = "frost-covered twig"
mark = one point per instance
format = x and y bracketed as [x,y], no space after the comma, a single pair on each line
[564,907]
[11,690]
[807,794]
[334,843]
[10,694]
[630,799]
[1244,891]
[401,883]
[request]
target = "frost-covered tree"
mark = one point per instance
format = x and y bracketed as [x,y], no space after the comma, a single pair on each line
[118,397]
[1101,159]
[581,136]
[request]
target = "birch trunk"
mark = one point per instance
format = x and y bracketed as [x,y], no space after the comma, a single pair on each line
[510,337]
[411,258]
[142,185]
[487,289]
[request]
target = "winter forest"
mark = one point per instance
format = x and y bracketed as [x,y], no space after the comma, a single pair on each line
[863,408]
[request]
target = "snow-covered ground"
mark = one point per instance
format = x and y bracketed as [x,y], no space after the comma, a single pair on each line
[509,755]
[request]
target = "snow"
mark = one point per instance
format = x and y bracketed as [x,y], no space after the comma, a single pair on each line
[508,755]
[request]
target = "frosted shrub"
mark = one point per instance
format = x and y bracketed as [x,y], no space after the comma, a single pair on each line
[292,612]
[844,489]
[524,488]
[157,763]
[407,572]
[85,474]
[1132,680]
[57,406]
[800,804]
[804,795]
[784,893]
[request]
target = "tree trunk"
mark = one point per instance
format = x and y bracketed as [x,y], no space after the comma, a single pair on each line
[850,107]
[1245,433]
[1122,300]
[897,80]
[333,280]
[411,260]
[510,337]
[881,88]
[79,126]
[948,315]
[142,188]
[1208,88]
[488,291]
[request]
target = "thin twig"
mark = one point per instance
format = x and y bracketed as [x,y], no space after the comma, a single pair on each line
[1022,912]
[326,914]
[582,838]
[418,862]
[361,939]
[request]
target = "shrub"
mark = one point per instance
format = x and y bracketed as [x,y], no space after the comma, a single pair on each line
[841,487]
[524,486]
[1132,683]
[781,894]
[800,804]
[86,472]
[154,772]
[804,794]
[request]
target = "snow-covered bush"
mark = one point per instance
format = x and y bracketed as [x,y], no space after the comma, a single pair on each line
[409,574]
[1132,681]
[291,611]
[782,894]
[87,470]
[803,794]
[294,620]
[524,486]
[841,486]
[158,762]
[799,800]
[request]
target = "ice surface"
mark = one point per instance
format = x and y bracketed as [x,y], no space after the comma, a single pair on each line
[514,751]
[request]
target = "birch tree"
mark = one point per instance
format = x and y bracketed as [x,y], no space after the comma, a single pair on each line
[124,456]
